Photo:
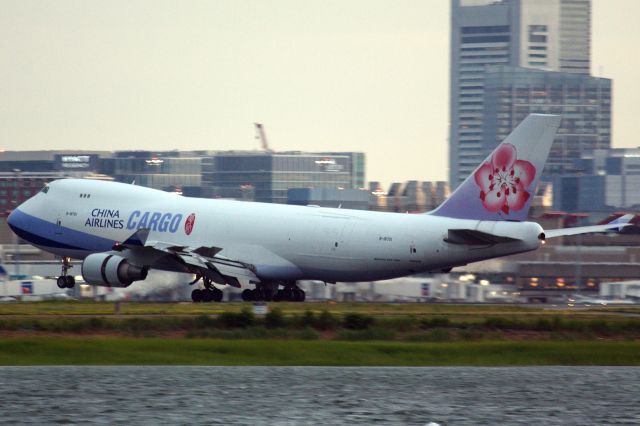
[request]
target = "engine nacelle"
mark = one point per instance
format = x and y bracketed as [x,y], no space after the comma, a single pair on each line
[111,270]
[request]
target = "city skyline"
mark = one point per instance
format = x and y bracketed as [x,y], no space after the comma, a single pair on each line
[336,76]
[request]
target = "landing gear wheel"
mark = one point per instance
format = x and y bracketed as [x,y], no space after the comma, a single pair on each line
[197,295]
[247,295]
[289,295]
[299,295]
[257,295]
[65,281]
[267,295]
[207,295]
[278,297]
[217,295]
[69,281]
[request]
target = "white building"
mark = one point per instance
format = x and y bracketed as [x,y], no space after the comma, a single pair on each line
[620,290]
[440,287]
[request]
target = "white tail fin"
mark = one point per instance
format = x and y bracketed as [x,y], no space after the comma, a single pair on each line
[503,186]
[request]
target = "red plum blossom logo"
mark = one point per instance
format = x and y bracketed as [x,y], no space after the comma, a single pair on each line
[504,181]
[188,224]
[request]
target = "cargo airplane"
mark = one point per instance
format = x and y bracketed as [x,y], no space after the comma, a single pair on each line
[121,231]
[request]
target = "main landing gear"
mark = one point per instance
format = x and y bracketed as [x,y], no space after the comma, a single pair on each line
[64,280]
[208,294]
[267,292]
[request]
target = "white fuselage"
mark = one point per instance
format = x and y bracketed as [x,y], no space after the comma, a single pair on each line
[78,217]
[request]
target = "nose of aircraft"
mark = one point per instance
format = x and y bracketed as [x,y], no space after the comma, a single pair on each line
[19,223]
[11,220]
[17,218]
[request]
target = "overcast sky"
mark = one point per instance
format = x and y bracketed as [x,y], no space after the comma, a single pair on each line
[343,75]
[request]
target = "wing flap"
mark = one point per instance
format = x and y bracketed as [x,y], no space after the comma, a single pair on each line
[207,251]
[203,260]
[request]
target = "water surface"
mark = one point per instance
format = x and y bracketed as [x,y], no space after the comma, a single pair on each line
[320,395]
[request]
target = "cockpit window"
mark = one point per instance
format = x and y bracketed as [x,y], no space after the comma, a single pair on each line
[45,189]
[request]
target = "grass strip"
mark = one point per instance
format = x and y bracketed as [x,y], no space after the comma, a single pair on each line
[350,326]
[166,351]
[186,308]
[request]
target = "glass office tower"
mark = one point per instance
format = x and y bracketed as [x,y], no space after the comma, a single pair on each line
[584,102]
[550,35]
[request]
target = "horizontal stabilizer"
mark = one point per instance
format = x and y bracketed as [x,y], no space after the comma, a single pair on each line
[475,238]
[616,224]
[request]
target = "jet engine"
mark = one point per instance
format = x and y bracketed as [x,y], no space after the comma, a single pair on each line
[111,270]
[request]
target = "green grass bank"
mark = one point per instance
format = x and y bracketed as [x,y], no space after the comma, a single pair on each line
[162,351]
[89,333]
[279,323]
[85,307]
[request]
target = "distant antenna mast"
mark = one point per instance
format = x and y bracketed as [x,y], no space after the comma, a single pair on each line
[260,134]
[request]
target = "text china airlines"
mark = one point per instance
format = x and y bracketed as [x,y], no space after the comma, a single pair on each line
[155,221]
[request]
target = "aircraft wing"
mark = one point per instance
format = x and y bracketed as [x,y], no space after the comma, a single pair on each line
[203,260]
[616,224]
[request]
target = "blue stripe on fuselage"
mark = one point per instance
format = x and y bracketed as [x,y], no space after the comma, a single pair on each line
[49,235]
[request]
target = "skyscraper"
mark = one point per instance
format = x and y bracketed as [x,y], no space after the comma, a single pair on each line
[583,101]
[551,35]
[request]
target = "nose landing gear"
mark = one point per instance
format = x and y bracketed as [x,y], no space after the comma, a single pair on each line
[64,280]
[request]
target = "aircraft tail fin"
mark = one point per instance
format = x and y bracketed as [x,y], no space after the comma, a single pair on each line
[503,186]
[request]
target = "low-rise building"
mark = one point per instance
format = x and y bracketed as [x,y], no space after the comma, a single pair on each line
[269,175]
[606,180]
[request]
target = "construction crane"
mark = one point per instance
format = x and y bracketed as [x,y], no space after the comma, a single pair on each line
[260,134]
